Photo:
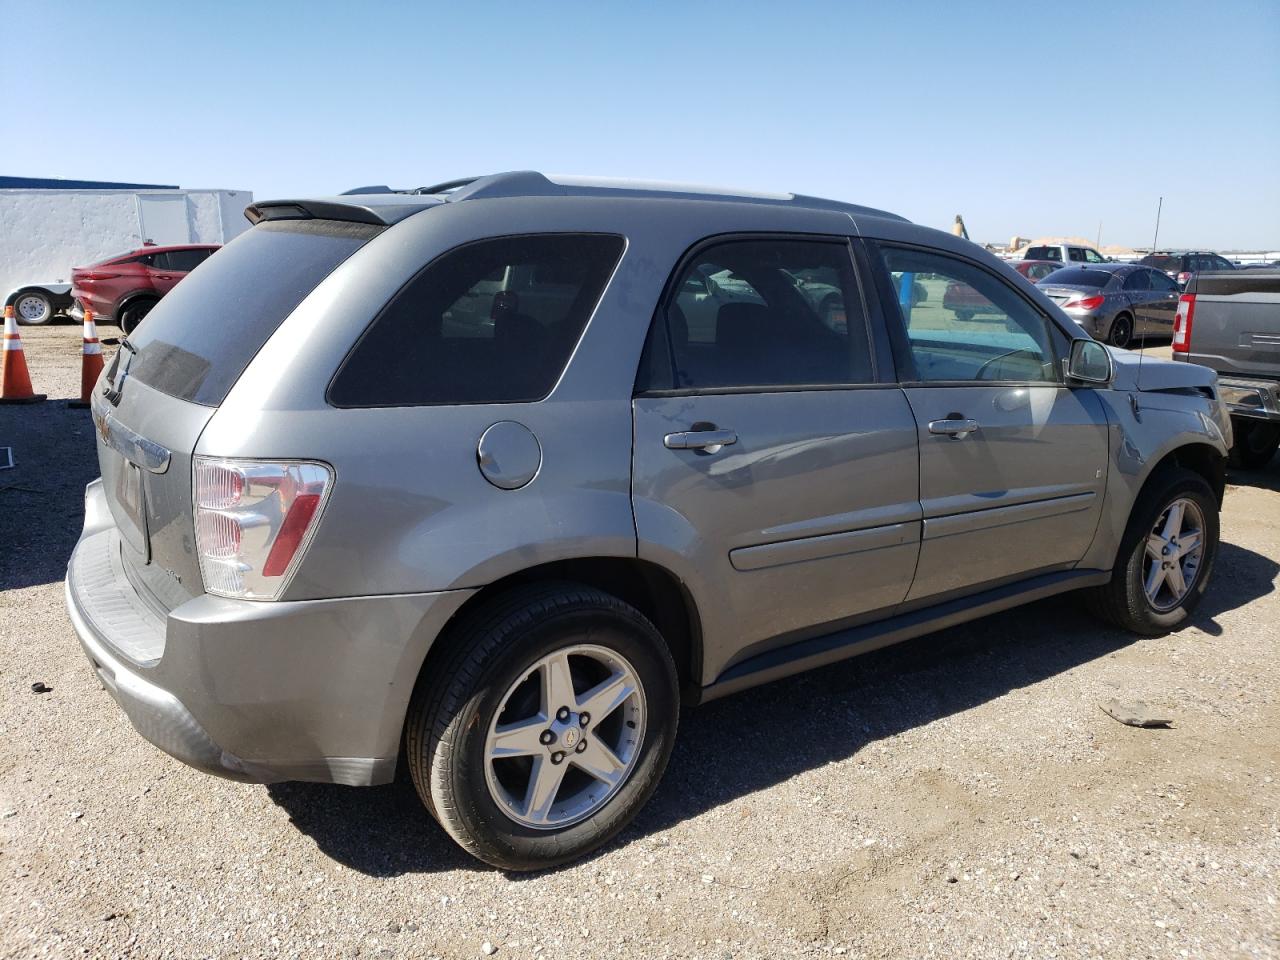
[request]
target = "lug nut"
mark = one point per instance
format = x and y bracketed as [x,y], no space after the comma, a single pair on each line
[582,745]
[562,714]
[546,736]
[557,757]
[584,719]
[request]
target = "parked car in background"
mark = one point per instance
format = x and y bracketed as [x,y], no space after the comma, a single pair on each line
[124,288]
[1064,253]
[364,502]
[968,303]
[1115,302]
[1180,265]
[1230,322]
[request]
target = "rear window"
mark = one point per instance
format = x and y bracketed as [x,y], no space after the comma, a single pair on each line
[1078,277]
[1043,253]
[197,341]
[1162,263]
[489,322]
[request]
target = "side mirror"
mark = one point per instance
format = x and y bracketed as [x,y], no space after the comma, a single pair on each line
[1090,362]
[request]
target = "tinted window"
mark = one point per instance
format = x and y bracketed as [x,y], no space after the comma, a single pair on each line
[197,340]
[1043,253]
[768,313]
[184,260]
[1080,277]
[1161,282]
[1163,262]
[489,322]
[1138,280]
[1219,263]
[1007,340]
[1076,254]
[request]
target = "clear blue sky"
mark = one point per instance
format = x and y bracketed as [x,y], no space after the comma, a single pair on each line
[1034,118]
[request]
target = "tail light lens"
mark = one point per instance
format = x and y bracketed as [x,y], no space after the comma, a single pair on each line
[1182,323]
[254,520]
[1085,303]
[1183,277]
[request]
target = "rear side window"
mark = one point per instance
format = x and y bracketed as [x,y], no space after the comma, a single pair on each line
[488,322]
[184,260]
[768,313]
[198,339]
[1138,280]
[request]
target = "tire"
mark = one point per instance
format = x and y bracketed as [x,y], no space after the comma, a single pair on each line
[33,308]
[491,665]
[964,315]
[1121,332]
[1255,443]
[1124,600]
[133,314]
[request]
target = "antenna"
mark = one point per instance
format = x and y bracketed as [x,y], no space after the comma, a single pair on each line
[1142,349]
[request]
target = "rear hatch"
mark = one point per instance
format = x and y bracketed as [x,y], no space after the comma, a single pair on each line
[169,377]
[1236,328]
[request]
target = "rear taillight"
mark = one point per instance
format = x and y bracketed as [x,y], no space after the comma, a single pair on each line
[1183,277]
[1182,323]
[1085,303]
[253,522]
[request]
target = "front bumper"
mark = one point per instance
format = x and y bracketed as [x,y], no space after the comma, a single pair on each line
[1256,399]
[251,690]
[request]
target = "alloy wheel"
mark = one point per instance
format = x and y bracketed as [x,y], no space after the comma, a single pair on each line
[565,737]
[1174,550]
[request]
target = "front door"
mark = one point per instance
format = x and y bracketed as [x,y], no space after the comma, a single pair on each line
[1012,461]
[775,468]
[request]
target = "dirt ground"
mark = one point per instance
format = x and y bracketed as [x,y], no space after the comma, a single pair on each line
[962,795]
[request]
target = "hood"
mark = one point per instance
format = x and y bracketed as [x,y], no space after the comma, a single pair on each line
[1147,373]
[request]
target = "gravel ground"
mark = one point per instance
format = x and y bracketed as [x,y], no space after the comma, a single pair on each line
[961,795]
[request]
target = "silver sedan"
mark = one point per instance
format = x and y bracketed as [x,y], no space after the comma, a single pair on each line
[1115,302]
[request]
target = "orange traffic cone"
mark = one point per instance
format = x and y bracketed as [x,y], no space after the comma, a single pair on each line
[15,382]
[90,362]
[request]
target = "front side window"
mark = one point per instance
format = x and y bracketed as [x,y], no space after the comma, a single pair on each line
[768,313]
[990,333]
[493,321]
[1092,256]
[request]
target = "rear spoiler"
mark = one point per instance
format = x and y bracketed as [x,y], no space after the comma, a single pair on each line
[380,211]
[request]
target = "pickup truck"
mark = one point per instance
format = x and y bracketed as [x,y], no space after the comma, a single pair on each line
[1230,321]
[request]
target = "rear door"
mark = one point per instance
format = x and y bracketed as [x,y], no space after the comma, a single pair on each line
[775,462]
[1163,302]
[1136,287]
[1012,461]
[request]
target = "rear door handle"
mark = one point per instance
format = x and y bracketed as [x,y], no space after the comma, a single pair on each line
[700,440]
[955,429]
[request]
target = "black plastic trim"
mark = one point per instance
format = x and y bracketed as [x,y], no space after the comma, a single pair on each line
[806,654]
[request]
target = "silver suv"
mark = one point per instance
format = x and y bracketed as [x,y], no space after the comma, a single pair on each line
[496,478]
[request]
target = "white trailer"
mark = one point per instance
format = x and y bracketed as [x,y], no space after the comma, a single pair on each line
[46,232]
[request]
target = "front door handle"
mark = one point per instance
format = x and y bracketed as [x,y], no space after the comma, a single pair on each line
[955,429]
[708,440]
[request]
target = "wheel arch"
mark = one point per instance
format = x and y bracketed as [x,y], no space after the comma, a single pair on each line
[652,589]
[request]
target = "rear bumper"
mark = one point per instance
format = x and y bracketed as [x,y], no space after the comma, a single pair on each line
[254,691]
[102,307]
[1257,399]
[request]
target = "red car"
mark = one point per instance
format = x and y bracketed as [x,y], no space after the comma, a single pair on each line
[966,302]
[123,289]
